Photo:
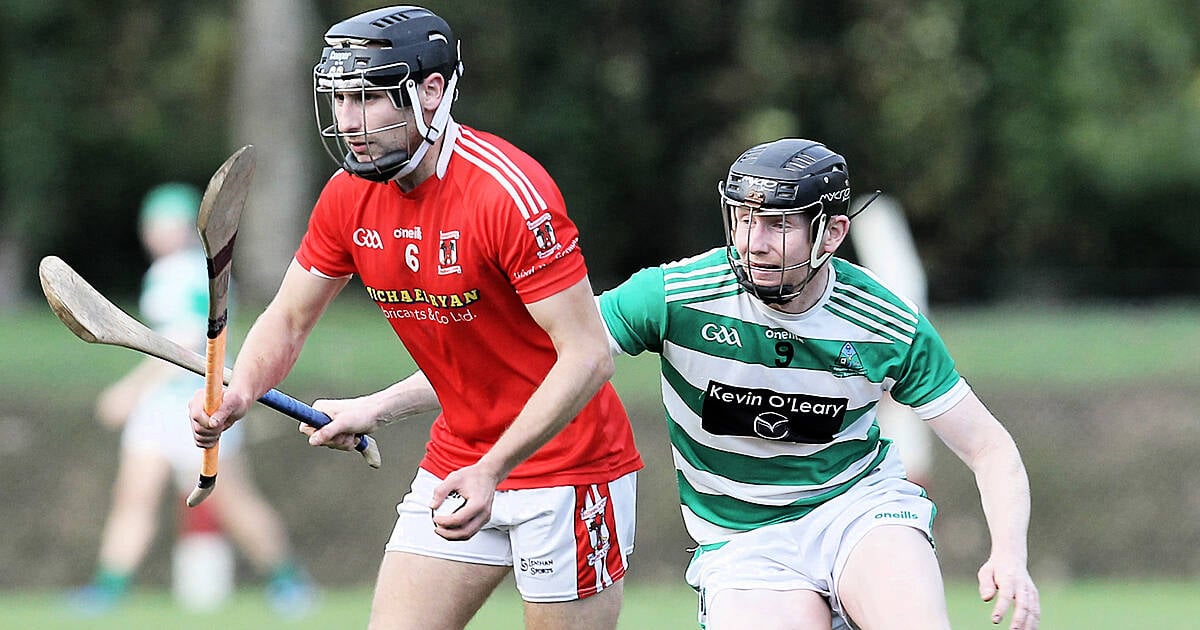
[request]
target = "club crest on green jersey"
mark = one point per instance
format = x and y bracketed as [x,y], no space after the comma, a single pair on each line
[848,363]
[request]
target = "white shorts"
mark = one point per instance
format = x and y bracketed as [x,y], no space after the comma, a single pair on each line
[159,425]
[810,553]
[568,542]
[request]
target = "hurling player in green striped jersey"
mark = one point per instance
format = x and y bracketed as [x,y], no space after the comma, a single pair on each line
[774,355]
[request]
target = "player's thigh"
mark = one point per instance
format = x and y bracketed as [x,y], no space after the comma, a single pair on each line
[760,609]
[415,592]
[598,612]
[892,580]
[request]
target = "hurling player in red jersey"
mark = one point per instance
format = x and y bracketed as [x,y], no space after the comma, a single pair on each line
[463,242]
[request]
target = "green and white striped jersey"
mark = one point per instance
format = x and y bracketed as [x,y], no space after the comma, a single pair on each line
[174,303]
[771,414]
[174,297]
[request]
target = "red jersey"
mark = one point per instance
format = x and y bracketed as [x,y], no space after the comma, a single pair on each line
[451,265]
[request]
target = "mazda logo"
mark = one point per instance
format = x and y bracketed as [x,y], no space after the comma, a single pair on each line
[771,425]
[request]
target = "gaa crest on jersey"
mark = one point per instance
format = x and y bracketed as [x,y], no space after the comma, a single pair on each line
[721,334]
[368,238]
[543,234]
[448,253]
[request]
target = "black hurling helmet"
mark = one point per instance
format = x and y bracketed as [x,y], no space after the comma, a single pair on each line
[390,50]
[780,178]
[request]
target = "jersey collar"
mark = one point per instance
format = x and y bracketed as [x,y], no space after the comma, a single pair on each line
[810,311]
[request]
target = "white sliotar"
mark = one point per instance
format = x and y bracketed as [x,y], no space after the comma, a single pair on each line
[453,503]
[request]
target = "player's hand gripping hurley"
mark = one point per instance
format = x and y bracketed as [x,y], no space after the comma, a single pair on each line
[94,319]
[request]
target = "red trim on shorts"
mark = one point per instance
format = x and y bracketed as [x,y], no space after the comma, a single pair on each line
[598,558]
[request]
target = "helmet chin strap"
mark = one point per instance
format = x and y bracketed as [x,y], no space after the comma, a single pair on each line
[436,127]
[380,170]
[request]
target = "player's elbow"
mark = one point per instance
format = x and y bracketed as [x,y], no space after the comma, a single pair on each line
[598,364]
[606,367]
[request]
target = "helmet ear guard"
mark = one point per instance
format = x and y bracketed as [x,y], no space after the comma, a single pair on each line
[817,229]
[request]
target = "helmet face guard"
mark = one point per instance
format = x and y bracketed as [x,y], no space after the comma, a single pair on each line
[389,50]
[774,182]
[736,212]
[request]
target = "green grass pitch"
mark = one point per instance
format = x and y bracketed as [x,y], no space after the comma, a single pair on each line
[1095,605]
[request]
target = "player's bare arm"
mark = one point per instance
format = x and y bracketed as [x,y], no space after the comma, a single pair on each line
[117,401]
[354,416]
[270,350]
[986,447]
[583,365]
[115,404]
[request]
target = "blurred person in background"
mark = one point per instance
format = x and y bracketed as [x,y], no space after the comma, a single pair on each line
[775,355]
[463,242]
[884,244]
[150,404]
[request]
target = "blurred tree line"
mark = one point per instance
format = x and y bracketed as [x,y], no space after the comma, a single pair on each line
[1046,148]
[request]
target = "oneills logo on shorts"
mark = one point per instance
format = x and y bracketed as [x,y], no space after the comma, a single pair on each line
[905,515]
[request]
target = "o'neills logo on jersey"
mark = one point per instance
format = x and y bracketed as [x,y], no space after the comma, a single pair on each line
[781,333]
[543,233]
[421,296]
[412,233]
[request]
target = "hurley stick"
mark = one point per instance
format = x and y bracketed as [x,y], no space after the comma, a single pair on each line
[96,320]
[217,225]
[220,211]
